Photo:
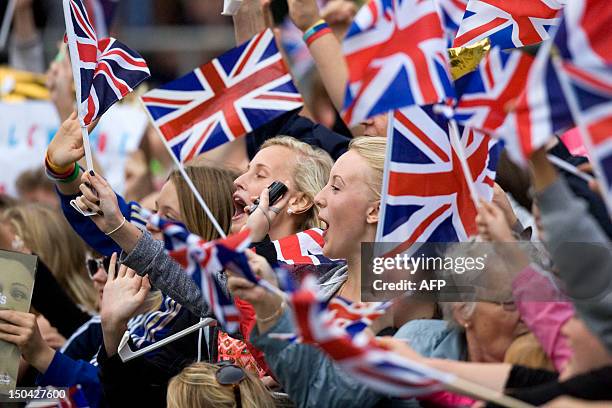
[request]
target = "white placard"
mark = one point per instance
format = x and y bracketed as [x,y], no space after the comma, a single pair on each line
[26,128]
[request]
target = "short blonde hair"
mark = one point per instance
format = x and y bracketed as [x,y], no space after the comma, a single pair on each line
[197,387]
[48,235]
[373,150]
[311,172]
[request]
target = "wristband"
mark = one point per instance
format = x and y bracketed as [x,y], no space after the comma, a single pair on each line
[64,178]
[116,229]
[274,315]
[319,29]
[55,169]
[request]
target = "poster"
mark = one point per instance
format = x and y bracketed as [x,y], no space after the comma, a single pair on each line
[26,128]
[17,273]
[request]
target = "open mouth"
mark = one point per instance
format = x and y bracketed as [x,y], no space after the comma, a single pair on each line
[239,205]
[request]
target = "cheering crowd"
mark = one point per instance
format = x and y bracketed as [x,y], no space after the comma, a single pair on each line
[539,330]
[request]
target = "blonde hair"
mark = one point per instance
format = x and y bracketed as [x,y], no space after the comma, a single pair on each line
[216,186]
[197,387]
[311,172]
[373,150]
[46,233]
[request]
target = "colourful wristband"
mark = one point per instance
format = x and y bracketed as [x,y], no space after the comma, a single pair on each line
[57,169]
[73,176]
[319,29]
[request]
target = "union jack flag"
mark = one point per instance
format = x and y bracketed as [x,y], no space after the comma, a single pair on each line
[223,99]
[359,355]
[508,23]
[303,248]
[101,13]
[427,198]
[104,71]
[451,13]
[484,96]
[200,260]
[395,45]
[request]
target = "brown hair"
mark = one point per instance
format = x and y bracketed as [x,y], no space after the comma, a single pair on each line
[33,179]
[216,186]
[310,175]
[46,233]
[197,387]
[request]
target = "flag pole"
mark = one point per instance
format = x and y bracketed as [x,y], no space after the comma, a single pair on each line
[474,390]
[456,142]
[6,23]
[385,181]
[187,179]
[574,107]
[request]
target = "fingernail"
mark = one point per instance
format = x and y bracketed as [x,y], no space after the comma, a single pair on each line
[101,213]
[89,209]
[87,184]
[91,172]
[97,202]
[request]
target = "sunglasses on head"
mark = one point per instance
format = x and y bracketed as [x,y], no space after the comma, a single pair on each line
[94,264]
[231,374]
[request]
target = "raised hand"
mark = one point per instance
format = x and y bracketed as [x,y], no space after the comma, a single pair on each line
[492,223]
[99,197]
[261,219]
[67,144]
[303,13]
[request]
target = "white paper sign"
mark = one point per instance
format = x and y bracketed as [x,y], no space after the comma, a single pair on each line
[26,128]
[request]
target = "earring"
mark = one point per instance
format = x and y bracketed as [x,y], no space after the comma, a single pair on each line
[289,211]
[466,326]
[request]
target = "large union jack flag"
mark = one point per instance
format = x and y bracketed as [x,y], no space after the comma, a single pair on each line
[427,198]
[395,45]
[485,96]
[223,99]
[508,23]
[104,71]
[359,354]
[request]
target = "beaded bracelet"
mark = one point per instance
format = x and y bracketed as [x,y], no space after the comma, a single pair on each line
[316,31]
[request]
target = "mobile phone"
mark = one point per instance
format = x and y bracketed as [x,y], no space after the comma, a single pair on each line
[277,189]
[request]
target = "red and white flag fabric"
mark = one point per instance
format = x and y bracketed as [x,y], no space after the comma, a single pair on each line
[223,99]
[391,45]
[359,355]
[486,95]
[104,70]
[508,23]
[303,248]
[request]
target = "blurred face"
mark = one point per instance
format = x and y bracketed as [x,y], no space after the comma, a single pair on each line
[345,204]
[588,351]
[167,206]
[375,126]
[99,280]
[269,164]
[492,328]
[15,285]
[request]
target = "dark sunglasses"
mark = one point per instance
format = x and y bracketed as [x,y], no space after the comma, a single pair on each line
[231,374]
[94,264]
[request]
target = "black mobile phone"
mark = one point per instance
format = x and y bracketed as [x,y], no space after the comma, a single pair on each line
[277,189]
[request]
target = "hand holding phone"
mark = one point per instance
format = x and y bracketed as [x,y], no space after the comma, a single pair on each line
[276,191]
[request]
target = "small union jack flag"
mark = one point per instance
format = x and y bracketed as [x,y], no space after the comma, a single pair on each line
[395,45]
[104,71]
[303,248]
[485,95]
[200,260]
[508,23]
[359,355]
[427,198]
[224,99]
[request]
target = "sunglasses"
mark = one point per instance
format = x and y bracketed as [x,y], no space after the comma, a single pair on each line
[94,264]
[231,374]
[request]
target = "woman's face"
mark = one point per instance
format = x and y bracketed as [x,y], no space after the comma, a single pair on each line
[270,164]
[167,206]
[348,206]
[494,326]
[99,280]
[15,285]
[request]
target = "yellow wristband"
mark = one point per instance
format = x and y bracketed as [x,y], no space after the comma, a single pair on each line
[57,169]
[321,21]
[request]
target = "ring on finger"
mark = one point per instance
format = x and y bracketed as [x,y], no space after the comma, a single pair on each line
[275,210]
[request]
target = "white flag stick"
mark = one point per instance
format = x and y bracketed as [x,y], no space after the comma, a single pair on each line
[563,165]
[385,181]
[574,107]
[456,142]
[6,23]
[181,169]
